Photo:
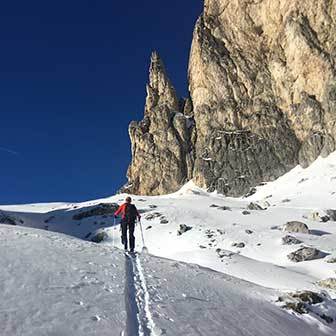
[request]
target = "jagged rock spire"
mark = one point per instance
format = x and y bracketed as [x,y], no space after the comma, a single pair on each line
[162,153]
[160,91]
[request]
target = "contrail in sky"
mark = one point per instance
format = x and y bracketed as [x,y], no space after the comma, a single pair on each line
[9,151]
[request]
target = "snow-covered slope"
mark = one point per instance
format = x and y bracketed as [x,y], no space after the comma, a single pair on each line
[52,284]
[217,223]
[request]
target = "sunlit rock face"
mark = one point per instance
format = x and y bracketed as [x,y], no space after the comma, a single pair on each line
[162,154]
[263,99]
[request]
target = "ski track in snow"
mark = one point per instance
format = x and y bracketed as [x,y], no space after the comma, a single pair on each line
[132,321]
[139,317]
[150,325]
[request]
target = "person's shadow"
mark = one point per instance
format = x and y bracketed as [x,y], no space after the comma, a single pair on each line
[132,324]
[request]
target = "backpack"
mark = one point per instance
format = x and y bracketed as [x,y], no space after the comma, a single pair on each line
[131,213]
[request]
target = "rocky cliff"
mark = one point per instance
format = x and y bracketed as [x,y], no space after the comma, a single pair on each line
[162,150]
[262,80]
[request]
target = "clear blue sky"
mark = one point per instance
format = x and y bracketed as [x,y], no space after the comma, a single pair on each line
[72,77]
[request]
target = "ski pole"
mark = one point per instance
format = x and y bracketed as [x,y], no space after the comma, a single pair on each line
[114,222]
[142,236]
[144,248]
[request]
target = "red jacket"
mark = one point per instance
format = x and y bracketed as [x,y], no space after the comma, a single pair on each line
[121,210]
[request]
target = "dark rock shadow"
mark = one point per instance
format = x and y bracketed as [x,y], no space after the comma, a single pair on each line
[73,221]
[319,232]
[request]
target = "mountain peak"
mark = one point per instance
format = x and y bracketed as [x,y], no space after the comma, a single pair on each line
[262,88]
[160,90]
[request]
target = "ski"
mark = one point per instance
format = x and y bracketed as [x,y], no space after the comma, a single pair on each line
[131,254]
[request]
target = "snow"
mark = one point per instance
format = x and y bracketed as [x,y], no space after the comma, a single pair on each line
[52,284]
[195,283]
[57,285]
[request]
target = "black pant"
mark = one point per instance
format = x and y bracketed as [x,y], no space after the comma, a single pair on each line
[130,227]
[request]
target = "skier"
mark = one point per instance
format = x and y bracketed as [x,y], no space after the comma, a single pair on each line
[129,214]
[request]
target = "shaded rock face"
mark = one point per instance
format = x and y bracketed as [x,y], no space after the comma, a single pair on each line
[262,82]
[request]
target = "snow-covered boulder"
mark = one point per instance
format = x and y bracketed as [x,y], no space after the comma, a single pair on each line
[325,219]
[153,215]
[225,208]
[290,240]
[152,206]
[305,253]
[183,228]
[305,302]
[99,237]
[300,302]
[250,193]
[314,216]
[6,219]
[308,297]
[331,260]
[295,226]
[332,214]
[328,283]
[254,206]
[239,245]
[98,210]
